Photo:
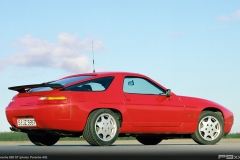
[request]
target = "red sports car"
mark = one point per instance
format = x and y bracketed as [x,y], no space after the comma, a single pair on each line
[104,106]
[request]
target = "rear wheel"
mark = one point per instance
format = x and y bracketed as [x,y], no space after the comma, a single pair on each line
[43,140]
[149,140]
[102,128]
[210,128]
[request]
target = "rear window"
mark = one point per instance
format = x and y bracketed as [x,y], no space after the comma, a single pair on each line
[99,84]
[70,80]
[64,81]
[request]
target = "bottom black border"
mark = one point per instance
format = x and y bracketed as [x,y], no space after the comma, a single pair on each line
[121,156]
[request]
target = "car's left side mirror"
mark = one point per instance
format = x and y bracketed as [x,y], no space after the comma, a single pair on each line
[168,93]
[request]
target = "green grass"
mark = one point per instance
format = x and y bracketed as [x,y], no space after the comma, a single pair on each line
[19,136]
[233,135]
[13,136]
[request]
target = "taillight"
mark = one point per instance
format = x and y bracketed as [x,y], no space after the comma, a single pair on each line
[52,100]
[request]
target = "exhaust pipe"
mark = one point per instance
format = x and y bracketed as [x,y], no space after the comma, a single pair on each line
[15,129]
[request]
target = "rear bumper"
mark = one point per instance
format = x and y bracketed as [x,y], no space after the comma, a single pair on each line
[52,117]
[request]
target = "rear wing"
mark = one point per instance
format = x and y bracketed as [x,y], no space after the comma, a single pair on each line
[24,88]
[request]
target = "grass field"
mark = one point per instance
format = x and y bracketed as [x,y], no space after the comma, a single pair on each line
[233,135]
[18,136]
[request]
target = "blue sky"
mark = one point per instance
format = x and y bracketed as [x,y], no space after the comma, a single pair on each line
[191,47]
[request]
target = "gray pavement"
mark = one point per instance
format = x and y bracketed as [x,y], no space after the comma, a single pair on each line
[185,148]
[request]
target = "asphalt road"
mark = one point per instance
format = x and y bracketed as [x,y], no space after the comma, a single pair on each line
[120,150]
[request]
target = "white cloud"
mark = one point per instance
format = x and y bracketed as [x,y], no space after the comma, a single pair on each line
[230,17]
[66,53]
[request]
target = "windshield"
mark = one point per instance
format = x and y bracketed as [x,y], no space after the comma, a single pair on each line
[64,81]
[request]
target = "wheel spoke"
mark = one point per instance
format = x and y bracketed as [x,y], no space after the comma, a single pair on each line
[107,119]
[206,134]
[215,123]
[99,124]
[111,125]
[209,122]
[211,134]
[108,133]
[204,123]
[213,129]
[203,129]
[100,131]
[104,134]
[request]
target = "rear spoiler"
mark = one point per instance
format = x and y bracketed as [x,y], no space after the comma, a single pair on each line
[24,88]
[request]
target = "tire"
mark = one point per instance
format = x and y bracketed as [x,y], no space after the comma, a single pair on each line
[43,140]
[149,140]
[210,129]
[102,128]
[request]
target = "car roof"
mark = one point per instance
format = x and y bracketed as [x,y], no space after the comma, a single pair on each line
[100,74]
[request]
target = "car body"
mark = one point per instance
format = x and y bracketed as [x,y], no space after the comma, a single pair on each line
[102,106]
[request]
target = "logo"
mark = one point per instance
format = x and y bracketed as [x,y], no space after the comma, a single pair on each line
[228,157]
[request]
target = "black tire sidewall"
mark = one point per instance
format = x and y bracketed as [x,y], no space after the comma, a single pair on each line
[148,140]
[44,140]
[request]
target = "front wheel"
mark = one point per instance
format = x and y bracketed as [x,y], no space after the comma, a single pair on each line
[149,140]
[210,128]
[102,128]
[43,140]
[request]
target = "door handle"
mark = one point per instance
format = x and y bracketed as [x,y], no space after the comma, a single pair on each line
[128,98]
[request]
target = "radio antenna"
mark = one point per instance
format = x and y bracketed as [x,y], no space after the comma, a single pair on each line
[93,58]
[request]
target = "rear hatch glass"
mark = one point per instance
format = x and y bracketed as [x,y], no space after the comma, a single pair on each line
[63,82]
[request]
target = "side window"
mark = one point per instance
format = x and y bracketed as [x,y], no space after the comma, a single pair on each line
[100,84]
[139,85]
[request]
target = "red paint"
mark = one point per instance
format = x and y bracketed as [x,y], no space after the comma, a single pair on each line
[141,113]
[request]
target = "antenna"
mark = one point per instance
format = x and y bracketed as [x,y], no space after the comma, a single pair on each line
[93,58]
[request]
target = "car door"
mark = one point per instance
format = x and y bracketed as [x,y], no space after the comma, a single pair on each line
[148,106]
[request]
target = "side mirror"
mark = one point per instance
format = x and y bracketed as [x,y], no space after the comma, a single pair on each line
[168,93]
